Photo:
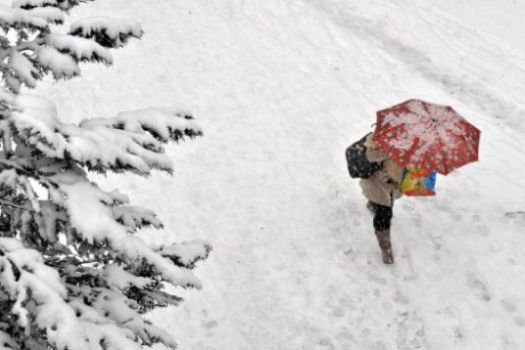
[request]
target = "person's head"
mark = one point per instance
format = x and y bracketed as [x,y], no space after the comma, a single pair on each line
[370,144]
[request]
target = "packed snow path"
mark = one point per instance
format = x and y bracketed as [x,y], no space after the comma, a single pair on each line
[281,88]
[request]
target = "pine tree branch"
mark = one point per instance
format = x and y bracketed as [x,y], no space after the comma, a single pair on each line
[10,204]
[12,165]
[86,279]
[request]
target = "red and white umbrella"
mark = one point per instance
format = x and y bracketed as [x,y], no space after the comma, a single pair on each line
[426,136]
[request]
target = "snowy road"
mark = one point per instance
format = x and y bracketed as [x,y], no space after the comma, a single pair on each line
[281,88]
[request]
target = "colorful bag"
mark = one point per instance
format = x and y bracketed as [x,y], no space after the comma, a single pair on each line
[418,183]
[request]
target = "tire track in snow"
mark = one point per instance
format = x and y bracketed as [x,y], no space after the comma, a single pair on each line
[468,88]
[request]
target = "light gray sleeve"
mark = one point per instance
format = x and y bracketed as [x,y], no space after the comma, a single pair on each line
[376,155]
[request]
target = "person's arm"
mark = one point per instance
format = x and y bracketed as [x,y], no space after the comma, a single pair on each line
[376,154]
[373,152]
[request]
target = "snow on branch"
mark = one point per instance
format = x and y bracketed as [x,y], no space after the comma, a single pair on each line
[186,254]
[80,49]
[23,68]
[135,218]
[114,306]
[129,141]
[30,4]
[162,123]
[7,100]
[38,295]
[50,14]
[69,4]
[123,280]
[6,342]
[62,4]
[33,48]
[87,319]
[79,196]
[108,32]
[61,65]
[16,18]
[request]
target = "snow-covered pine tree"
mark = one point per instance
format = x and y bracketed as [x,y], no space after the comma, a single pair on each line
[73,274]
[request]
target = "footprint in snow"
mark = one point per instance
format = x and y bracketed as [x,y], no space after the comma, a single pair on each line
[211,324]
[326,343]
[404,268]
[478,287]
[509,305]
[408,207]
[370,342]
[410,331]
[338,312]
[515,214]
[482,229]
[374,277]
[437,242]
[416,221]
[508,342]
[457,217]
[400,298]
[344,336]
[452,317]
[318,343]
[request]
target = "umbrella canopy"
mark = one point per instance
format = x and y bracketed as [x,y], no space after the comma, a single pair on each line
[426,136]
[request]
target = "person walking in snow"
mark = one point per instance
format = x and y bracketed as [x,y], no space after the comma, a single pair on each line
[381,189]
[421,139]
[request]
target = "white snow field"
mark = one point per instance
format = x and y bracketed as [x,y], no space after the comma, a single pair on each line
[281,88]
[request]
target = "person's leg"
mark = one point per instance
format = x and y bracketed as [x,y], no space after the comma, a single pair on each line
[382,221]
[382,217]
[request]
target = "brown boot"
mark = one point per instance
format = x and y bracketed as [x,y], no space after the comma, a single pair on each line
[383,238]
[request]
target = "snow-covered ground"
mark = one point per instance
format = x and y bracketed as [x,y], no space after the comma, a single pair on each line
[281,88]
